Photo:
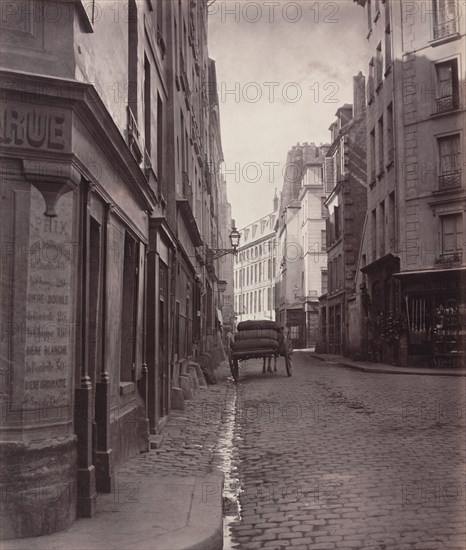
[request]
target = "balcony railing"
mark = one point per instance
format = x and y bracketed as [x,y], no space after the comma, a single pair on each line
[450,180]
[133,136]
[443,29]
[447,103]
[449,259]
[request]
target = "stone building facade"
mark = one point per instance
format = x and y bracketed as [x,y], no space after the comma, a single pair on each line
[107,206]
[345,179]
[413,257]
[255,269]
[302,272]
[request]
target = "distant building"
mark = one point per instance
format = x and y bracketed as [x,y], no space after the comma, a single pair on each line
[301,245]
[255,269]
[345,176]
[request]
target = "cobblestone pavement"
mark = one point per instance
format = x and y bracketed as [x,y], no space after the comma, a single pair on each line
[334,458]
[190,437]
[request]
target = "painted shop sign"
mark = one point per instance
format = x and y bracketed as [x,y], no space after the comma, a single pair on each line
[452,361]
[48,335]
[437,285]
[32,127]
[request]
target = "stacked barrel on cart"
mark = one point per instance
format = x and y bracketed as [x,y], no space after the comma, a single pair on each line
[257,336]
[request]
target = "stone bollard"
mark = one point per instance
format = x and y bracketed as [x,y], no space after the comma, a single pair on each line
[199,373]
[185,385]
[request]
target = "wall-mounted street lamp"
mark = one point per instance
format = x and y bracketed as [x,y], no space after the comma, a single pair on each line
[216,253]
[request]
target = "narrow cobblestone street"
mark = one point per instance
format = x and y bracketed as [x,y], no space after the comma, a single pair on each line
[333,458]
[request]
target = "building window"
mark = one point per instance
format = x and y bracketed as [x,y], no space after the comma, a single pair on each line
[388,48]
[374,233]
[372,156]
[337,222]
[452,234]
[449,161]
[147,109]
[381,146]
[324,277]
[447,92]
[160,141]
[445,18]
[129,309]
[259,301]
[260,272]
[269,299]
[392,222]
[323,240]
[390,136]
[370,82]
[294,332]
[378,66]
[382,228]
[323,208]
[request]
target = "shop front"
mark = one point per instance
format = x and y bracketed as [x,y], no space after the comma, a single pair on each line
[74,238]
[381,341]
[434,303]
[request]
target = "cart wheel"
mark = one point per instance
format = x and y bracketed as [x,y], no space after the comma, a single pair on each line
[288,364]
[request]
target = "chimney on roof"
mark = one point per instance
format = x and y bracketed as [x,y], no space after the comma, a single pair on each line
[275,201]
[359,95]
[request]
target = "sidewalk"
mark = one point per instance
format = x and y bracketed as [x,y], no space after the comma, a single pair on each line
[167,499]
[381,368]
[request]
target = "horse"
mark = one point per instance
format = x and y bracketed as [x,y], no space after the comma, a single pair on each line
[269,367]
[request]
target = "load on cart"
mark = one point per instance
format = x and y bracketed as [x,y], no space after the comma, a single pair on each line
[258,339]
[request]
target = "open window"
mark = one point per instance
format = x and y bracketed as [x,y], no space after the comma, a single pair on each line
[447,89]
[449,152]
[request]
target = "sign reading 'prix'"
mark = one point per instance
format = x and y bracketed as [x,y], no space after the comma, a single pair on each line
[26,126]
[48,339]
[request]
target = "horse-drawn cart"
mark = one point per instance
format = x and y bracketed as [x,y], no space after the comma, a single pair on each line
[258,340]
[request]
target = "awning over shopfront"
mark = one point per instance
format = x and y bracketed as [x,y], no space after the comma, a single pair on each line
[430,272]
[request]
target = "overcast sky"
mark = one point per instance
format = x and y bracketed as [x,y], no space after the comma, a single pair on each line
[283,70]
